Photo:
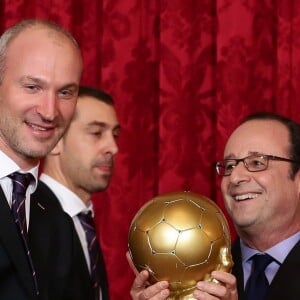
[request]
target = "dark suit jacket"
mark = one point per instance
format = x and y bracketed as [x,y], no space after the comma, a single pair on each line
[45,193]
[286,283]
[52,242]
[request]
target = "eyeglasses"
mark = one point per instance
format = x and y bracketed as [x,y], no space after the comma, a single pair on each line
[253,163]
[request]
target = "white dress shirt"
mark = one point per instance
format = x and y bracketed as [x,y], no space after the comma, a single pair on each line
[72,205]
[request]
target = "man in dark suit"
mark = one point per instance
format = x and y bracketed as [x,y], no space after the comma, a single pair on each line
[80,165]
[61,265]
[261,190]
[38,92]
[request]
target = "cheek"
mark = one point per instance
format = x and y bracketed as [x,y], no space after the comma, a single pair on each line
[79,147]
[13,96]
[276,188]
[270,183]
[67,109]
[224,185]
[224,191]
[15,103]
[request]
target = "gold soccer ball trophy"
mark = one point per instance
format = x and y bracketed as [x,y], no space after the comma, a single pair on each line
[180,237]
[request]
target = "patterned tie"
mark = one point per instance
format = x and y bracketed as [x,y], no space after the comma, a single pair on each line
[20,184]
[88,225]
[257,284]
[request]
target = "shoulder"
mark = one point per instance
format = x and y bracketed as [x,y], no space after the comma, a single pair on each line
[236,248]
[294,255]
[44,197]
[46,209]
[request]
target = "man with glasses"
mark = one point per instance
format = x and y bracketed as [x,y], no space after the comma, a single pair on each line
[261,190]
[261,187]
[253,163]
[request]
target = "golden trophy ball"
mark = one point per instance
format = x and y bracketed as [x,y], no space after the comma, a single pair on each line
[180,237]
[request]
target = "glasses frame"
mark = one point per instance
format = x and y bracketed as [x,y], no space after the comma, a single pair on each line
[267,157]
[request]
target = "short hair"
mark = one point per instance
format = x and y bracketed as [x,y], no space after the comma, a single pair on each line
[12,32]
[294,134]
[95,93]
[89,91]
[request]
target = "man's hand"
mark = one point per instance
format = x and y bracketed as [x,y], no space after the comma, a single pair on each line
[225,290]
[141,289]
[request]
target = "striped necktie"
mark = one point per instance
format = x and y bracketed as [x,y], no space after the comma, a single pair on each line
[20,184]
[88,225]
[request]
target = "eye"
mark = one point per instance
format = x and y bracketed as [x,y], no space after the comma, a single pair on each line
[96,133]
[32,88]
[256,162]
[229,165]
[116,135]
[67,94]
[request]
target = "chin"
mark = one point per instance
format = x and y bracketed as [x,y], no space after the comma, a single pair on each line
[98,186]
[38,153]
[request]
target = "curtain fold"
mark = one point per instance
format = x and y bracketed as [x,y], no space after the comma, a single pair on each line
[183,74]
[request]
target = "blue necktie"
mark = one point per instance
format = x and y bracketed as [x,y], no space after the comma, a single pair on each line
[257,284]
[88,225]
[20,184]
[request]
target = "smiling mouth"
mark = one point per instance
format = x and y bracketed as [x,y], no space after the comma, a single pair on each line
[245,196]
[37,127]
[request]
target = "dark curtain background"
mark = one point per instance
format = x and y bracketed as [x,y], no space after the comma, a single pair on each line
[183,74]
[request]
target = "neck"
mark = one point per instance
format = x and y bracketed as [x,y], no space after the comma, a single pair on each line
[263,241]
[60,177]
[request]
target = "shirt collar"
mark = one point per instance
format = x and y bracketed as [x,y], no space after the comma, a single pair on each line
[279,252]
[69,201]
[8,166]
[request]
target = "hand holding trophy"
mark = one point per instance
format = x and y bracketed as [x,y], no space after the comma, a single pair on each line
[180,237]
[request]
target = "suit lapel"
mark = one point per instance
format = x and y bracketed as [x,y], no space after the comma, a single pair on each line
[237,269]
[13,245]
[285,284]
[39,241]
[103,276]
[44,197]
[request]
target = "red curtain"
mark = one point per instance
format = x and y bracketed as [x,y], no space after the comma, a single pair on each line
[183,74]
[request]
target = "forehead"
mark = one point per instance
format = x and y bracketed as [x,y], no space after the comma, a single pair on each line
[263,136]
[36,36]
[91,110]
[40,31]
[44,52]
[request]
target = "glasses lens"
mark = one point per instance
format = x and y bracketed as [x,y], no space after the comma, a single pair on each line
[225,167]
[220,168]
[256,163]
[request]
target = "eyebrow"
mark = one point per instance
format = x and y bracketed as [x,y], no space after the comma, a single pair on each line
[103,125]
[250,153]
[30,78]
[41,81]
